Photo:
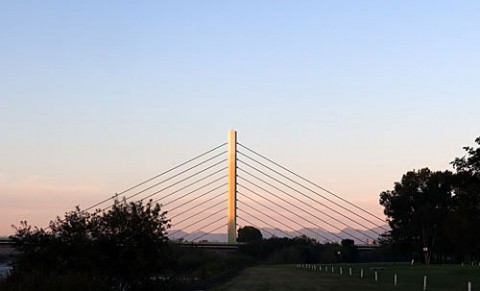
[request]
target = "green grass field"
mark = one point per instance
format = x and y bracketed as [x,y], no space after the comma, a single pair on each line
[290,277]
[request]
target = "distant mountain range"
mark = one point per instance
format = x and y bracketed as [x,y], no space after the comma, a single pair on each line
[358,235]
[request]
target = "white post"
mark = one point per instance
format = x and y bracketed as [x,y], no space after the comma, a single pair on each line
[424,282]
[469,286]
[332,269]
[395,279]
[341,270]
[350,271]
[320,267]
[361,273]
[376,276]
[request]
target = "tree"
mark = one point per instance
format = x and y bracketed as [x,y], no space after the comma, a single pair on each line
[417,208]
[464,220]
[122,248]
[437,211]
[348,251]
[470,162]
[249,234]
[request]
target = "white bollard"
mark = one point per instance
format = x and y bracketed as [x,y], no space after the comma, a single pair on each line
[350,271]
[376,276]
[424,282]
[469,286]
[395,280]
[332,269]
[320,268]
[341,270]
[361,273]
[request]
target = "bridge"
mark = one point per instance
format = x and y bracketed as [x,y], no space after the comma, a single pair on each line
[232,185]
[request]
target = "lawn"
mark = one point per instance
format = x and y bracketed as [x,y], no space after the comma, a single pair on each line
[291,277]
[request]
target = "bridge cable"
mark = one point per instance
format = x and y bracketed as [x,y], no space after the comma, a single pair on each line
[259,228]
[193,191]
[318,194]
[268,224]
[315,209]
[210,232]
[155,177]
[273,210]
[223,201]
[289,211]
[306,197]
[322,220]
[200,230]
[210,223]
[174,184]
[191,200]
[186,186]
[312,183]
[272,218]
[249,206]
[200,204]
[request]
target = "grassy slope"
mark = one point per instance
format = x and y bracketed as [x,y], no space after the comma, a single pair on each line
[288,277]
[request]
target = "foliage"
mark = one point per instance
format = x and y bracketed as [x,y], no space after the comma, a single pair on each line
[299,250]
[436,214]
[120,249]
[471,161]
[249,234]
[348,251]
[417,208]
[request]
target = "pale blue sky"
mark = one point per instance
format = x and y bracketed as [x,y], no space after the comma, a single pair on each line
[95,97]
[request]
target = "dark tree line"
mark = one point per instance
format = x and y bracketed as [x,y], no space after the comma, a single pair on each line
[123,248]
[296,250]
[436,215]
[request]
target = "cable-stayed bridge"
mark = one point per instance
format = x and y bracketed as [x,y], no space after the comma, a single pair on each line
[232,185]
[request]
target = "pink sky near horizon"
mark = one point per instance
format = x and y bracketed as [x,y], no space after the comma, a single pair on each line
[96,96]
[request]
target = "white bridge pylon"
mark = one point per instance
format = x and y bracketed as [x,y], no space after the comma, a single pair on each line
[232,188]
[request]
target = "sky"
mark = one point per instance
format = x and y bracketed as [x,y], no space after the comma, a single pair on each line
[96,96]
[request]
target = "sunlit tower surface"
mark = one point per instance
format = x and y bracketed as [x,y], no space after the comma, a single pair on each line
[232,187]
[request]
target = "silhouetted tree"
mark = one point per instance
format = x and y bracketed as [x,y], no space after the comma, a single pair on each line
[471,161]
[122,248]
[417,209]
[348,251]
[249,234]
[464,219]
[437,210]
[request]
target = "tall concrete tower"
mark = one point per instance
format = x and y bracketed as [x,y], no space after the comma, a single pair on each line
[232,187]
